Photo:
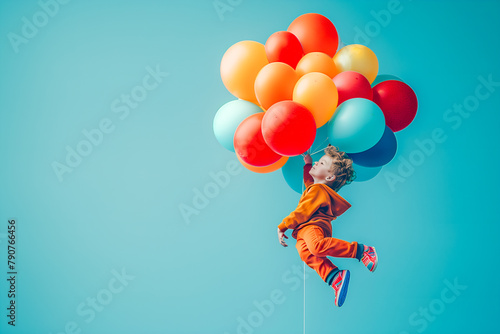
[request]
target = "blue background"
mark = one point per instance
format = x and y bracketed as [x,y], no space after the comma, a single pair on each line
[120,208]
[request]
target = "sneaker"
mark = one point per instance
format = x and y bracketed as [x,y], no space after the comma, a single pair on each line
[339,285]
[370,258]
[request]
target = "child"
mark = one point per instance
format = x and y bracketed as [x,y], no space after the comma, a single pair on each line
[311,221]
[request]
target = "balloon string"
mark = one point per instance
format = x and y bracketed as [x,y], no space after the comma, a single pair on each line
[322,142]
[319,151]
[303,186]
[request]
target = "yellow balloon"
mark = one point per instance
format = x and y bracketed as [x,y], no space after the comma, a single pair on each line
[239,67]
[266,169]
[317,62]
[317,92]
[358,58]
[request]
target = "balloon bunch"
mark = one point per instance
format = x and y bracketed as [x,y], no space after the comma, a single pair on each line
[300,92]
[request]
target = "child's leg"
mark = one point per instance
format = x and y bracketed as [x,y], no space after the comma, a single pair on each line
[322,246]
[322,265]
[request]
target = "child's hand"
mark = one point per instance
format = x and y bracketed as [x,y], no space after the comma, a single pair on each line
[280,237]
[308,159]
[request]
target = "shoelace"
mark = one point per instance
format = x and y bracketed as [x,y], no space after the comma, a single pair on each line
[339,280]
[367,259]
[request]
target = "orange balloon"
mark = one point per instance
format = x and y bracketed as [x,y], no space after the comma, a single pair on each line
[358,58]
[266,169]
[274,83]
[239,67]
[317,92]
[317,62]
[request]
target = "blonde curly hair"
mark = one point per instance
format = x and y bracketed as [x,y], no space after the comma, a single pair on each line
[342,167]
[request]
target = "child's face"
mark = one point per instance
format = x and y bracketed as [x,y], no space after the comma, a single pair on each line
[322,170]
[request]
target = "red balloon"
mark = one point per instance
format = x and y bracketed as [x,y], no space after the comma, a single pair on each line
[352,84]
[316,33]
[250,145]
[398,103]
[283,46]
[288,128]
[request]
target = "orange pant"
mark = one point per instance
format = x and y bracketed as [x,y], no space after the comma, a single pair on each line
[313,247]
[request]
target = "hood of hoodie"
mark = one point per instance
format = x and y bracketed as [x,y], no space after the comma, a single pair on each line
[339,204]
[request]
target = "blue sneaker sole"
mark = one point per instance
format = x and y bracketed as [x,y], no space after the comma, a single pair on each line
[343,289]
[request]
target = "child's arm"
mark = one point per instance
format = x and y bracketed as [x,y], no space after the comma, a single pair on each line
[308,179]
[308,205]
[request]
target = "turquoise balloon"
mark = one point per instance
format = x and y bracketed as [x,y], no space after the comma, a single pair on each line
[384,77]
[365,173]
[293,171]
[228,117]
[357,125]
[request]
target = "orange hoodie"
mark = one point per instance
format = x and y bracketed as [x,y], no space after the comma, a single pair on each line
[318,205]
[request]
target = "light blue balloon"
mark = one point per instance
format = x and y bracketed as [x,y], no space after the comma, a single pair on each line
[365,173]
[384,77]
[357,125]
[228,117]
[293,171]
